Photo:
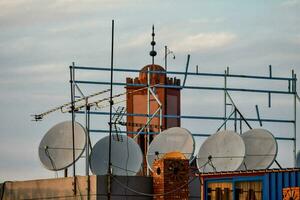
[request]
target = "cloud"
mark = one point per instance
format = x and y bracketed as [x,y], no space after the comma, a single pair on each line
[207,20]
[290,3]
[204,41]
[296,39]
[22,13]
[138,41]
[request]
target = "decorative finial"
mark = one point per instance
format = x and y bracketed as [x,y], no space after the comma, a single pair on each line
[153,52]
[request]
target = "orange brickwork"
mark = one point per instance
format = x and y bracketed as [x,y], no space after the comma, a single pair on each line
[171,174]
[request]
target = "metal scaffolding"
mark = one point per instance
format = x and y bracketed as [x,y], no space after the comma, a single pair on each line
[237,117]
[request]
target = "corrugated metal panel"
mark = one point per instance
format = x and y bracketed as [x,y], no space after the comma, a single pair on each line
[273,182]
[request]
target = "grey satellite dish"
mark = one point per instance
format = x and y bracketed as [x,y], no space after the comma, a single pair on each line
[126,156]
[222,151]
[261,149]
[298,159]
[56,147]
[171,140]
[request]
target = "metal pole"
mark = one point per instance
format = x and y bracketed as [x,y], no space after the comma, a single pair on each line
[110,113]
[73,123]
[295,116]
[166,89]
[87,147]
[166,55]
[235,119]
[148,108]
[66,172]
[225,99]
[152,54]
[269,94]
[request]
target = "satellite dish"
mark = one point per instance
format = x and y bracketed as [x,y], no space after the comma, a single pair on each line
[56,147]
[298,159]
[222,151]
[126,156]
[171,140]
[261,149]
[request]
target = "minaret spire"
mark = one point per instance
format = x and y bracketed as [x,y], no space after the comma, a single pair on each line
[153,52]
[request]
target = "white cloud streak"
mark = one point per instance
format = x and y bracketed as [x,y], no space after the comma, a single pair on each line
[204,41]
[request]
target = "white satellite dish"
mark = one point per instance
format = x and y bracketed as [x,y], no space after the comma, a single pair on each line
[222,151]
[171,140]
[261,149]
[56,147]
[126,156]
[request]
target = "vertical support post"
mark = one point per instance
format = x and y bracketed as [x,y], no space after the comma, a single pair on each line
[73,122]
[269,94]
[186,69]
[152,54]
[294,89]
[166,89]
[110,112]
[241,125]
[66,172]
[148,109]
[160,118]
[87,146]
[270,71]
[166,57]
[269,100]
[225,99]
[235,120]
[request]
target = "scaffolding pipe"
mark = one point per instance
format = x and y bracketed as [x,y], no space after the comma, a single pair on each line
[186,87]
[193,117]
[295,117]
[127,69]
[72,88]
[225,99]
[155,133]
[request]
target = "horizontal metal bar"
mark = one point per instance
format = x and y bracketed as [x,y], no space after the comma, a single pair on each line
[155,133]
[186,87]
[284,138]
[183,73]
[190,117]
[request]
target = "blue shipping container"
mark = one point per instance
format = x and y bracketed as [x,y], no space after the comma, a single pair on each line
[261,184]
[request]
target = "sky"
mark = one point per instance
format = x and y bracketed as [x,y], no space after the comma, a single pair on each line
[40,39]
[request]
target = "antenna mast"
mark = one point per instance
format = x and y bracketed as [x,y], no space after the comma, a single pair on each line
[152,54]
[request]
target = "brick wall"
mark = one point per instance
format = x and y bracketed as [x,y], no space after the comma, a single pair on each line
[169,175]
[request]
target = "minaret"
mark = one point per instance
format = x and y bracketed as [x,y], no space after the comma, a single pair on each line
[141,102]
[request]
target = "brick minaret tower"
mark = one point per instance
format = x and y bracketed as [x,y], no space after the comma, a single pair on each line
[140,101]
[137,103]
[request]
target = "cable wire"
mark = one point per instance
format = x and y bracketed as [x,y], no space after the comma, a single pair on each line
[51,161]
[153,195]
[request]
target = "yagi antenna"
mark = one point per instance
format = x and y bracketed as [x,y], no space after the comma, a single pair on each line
[67,106]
